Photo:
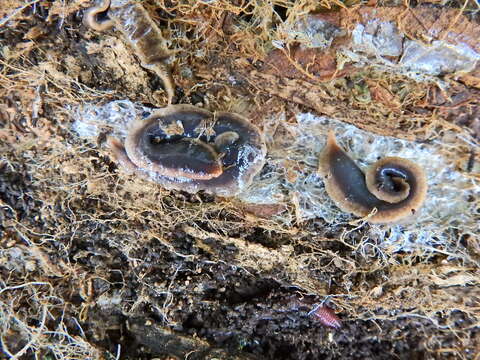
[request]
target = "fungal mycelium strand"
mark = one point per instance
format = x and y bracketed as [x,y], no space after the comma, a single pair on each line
[219,153]
[140,31]
[394,186]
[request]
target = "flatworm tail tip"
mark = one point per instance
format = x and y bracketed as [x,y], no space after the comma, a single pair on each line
[164,72]
[120,155]
[331,140]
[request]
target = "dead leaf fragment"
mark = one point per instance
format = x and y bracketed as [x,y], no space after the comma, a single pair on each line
[381,94]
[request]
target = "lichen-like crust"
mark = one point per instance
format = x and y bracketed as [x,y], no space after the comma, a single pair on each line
[394,186]
[186,148]
[141,32]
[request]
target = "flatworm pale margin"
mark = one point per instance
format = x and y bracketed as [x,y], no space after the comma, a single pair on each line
[186,148]
[394,186]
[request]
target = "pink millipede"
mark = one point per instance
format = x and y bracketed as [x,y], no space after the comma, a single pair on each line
[326,316]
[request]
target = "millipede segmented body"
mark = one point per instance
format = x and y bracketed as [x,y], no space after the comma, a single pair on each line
[326,316]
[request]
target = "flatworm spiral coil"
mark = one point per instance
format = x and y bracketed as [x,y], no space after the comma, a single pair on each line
[394,186]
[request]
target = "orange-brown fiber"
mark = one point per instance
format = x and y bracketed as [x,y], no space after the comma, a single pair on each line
[394,186]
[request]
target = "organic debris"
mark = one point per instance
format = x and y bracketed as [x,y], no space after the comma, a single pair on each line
[95,264]
[373,45]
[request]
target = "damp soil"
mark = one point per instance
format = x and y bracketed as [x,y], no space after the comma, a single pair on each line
[122,277]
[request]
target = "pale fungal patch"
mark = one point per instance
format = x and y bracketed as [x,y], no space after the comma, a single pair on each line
[313,32]
[372,42]
[376,39]
[379,38]
[113,117]
[438,58]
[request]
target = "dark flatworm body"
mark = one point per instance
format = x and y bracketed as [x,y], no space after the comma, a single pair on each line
[396,187]
[186,148]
